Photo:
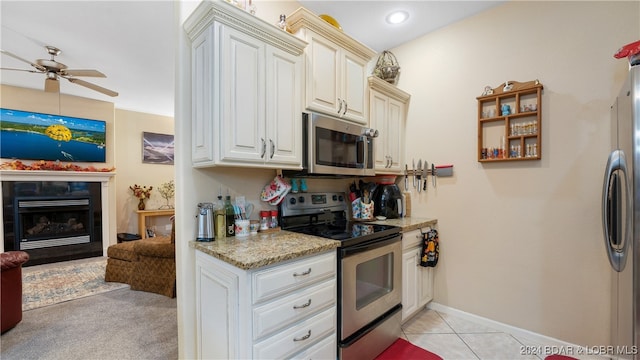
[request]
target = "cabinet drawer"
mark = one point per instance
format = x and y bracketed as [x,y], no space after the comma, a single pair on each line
[325,349]
[297,338]
[277,314]
[283,278]
[412,238]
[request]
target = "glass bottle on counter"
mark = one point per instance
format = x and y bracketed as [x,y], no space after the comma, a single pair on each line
[220,216]
[231,215]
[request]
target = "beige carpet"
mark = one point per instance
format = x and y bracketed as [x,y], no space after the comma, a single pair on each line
[49,284]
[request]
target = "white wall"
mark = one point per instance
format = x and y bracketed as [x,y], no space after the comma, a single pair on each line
[521,242]
[129,126]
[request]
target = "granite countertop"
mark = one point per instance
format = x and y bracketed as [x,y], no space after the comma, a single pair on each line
[255,251]
[408,223]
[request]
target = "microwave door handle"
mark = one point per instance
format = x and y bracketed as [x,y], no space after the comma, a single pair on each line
[361,154]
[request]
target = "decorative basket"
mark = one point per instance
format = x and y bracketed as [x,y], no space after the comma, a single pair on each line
[387,67]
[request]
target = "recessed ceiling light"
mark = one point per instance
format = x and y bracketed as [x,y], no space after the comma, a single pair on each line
[397,17]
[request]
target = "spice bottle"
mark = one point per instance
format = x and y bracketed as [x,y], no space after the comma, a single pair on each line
[274,219]
[264,220]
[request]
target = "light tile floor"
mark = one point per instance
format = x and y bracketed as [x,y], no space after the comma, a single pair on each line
[453,338]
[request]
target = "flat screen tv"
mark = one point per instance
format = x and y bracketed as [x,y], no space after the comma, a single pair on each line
[28,135]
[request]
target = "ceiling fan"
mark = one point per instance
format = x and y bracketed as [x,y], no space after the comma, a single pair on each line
[55,70]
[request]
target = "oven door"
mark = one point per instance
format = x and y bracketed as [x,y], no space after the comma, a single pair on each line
[371,282]
[338,147]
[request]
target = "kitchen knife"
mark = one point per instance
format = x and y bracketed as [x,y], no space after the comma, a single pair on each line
[425,171]
[406,173]
[433,175]
[413,172]
[419,174]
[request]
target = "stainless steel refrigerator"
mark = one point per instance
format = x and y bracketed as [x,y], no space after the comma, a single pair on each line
[621,219]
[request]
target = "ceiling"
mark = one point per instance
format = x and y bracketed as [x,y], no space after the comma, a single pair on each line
[132,42]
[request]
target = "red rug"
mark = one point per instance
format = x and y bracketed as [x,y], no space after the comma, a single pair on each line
[402,349]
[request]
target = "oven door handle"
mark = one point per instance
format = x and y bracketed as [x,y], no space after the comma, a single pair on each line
[366,246]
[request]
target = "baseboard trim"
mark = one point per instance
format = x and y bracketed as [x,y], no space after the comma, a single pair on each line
[536,338]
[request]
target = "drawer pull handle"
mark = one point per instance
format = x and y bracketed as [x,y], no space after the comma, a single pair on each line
[304,337]
[303,305]
[303,273]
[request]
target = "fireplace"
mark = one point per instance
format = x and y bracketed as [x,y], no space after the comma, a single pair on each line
[53,220]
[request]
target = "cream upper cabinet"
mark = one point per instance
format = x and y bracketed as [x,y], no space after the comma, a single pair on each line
[336,68]
[387,114]
[246,90]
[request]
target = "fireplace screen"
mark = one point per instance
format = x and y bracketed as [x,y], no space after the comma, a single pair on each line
[48,222]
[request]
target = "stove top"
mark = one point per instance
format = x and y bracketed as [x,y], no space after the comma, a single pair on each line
[325,215]
[351,233]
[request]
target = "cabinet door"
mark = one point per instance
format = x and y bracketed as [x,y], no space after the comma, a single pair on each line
[242,90]
[202,150]
[323,87]
[379,104]
[395,135]
[354,88]
[217,326]
[409,283]
[425,279]
[284,109]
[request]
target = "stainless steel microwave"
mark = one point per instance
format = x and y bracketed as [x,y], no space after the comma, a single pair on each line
[337,147]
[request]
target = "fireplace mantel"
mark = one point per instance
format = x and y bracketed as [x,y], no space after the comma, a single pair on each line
[50,175]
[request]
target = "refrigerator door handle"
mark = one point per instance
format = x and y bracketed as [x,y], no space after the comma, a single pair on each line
[617,235]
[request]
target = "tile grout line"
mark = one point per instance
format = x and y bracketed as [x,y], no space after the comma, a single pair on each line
[458,335]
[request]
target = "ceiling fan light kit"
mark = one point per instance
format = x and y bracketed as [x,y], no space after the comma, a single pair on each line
[54,70]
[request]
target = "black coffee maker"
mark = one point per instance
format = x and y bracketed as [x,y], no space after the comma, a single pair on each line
[387,199]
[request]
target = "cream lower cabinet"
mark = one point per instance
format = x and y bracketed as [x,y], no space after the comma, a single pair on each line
[336,68]
[417,281]
[282,311]
[246,90]
[387,114]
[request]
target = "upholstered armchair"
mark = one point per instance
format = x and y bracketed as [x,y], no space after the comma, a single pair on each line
[11,288]
[155,270]
[148,264]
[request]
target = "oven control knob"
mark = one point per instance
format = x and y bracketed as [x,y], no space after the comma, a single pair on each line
[334,197]
[301,199]
[292,201]
[340,198]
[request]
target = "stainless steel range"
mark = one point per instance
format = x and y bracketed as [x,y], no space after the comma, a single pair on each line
[369,270]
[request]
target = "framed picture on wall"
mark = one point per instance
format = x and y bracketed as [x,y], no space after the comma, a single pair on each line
[157,148]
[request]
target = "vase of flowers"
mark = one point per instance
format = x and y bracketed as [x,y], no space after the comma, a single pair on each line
[167,190]
[142,193]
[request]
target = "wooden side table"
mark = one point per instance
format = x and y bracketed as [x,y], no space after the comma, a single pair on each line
[144,214]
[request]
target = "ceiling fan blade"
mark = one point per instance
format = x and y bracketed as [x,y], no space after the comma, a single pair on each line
[77,72]
[39,67]
[51,85]
[31,71]
[93,87]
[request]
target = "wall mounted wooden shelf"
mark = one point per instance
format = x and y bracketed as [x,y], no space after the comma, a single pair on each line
[509,122]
